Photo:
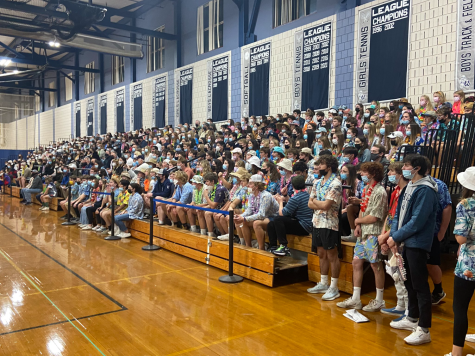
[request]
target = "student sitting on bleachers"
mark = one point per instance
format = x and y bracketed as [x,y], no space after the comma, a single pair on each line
[216,196]
[35,187]
[134,210]
[183,195]
[294,218]
[121,203]
[50,192]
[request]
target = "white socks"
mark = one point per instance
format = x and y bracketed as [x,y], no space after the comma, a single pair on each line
[379,294]
[352,233]
[203,231]
[193,227]
[324,280]
[356,294]
[211,234]
[334,283]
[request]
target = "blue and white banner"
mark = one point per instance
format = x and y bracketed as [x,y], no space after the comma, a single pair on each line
[119,110]
[217,89]
[103,113]
[136,114]
[159,92]
[465,64]
[90,117]
[312,68]
[255,81]
[382,51]
[184,96]
[77,112]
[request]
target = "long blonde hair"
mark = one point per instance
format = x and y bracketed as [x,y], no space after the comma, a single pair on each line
[461,94]
[429,106]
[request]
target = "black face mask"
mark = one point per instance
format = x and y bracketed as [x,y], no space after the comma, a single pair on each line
[287,147]
[391,107]
[357,109]
[442,120]
[130,191]
[374,156]
[294,136]
[265,171]
[358,176]
[322,172]
[393,143]
[348,126]
[357,146]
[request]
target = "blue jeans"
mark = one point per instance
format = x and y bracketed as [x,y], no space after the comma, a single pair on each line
[27,193]
[119,221]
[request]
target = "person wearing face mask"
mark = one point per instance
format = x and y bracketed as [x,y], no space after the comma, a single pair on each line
[135,210]
[350,156]
[459,99]
[216,197]
[296,218]
[439,100]
[430,123]
[163,189]
[369,224]
[225,178]
[368,113]
[49,192]
[183,195]
[414,224]
[325,199]
[285,188]
[94,197]
[297,115]
[260,207]
[424,106]
[197,200]
[65,182]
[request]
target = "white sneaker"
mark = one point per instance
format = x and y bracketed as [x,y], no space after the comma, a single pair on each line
[97,228]
[87,227]
[224,237]
[349,238]
[194,229]
[320,288]
[350,304]
[45,209]
[124,235]
[81,226]
[116,232]
[418,337]
[374,305]
[331,294]
[41,207]
[470,337]
[211,234]
[403,324]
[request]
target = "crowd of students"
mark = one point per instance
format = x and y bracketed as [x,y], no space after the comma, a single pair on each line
[324,175]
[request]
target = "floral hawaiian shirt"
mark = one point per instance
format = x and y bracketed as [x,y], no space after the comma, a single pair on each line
[465,226]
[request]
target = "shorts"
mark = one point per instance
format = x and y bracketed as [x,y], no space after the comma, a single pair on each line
[434,255]
[367,250]
[326,238]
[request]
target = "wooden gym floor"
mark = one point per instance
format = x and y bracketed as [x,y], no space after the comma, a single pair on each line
[66,292]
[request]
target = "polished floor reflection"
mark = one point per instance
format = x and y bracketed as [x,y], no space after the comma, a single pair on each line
[67,292]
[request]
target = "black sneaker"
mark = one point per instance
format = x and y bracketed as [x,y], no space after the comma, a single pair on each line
[281,251]
[178,224]
[23,202]
[437,297]
[236,239]
[186,227]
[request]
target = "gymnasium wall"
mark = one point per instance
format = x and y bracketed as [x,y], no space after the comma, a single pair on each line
[431,66]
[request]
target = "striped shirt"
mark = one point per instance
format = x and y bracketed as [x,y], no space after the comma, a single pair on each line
[297,207]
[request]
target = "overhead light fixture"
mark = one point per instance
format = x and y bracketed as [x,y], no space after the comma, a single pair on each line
[16,71]
[5,62]
[54,43]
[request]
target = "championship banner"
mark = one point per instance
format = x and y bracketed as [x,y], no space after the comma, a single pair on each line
[184,96]
[119,110]
[312,68]
[90,117]
[382,51]
[136,109]
[103,113]
[465,71]
[159,90]
[217,89]
[77,112]
[255,80]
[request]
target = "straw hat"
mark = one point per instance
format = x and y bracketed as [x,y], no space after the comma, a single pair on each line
[280,124]
[241,171]
[467,178]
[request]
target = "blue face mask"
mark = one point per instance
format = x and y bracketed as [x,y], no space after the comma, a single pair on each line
[343,176]
[365,179]
[373,106]
[348,137]
[209,140]
[133,149]
[345,159]
[154,142]
[407,173]
[178,149]
[305,136]
[320,146]
[404,122]
[345,117]
[365,131]
[382,131]
[401,106]
[225,166]
[315,175]
[93,184]
[235,181]
[282,172]
[225,139]
[366,114]
[230,139]
[318,136]
[408,133]
[392,179]
[121,189]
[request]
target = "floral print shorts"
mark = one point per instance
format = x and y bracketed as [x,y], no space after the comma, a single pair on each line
[367,250]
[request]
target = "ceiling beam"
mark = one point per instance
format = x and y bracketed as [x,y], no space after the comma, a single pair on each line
[138,30]
[8,48]
[41,61]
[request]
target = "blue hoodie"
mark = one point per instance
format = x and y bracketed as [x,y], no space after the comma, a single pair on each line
[416,214]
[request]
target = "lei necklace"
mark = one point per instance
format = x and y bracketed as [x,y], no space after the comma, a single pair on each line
[255,203]
[198,196]
[282,181]
[321,190]
[213,193]
[366,195]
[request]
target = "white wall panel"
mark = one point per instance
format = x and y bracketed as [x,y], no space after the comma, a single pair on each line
[46,127]
[62,122]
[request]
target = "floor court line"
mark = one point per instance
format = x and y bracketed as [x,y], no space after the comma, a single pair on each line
[54,305]
[68,269]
